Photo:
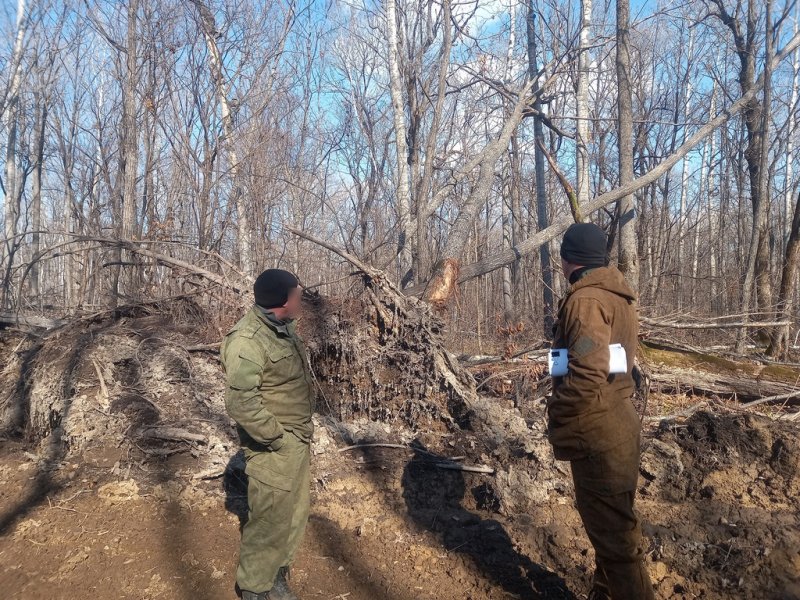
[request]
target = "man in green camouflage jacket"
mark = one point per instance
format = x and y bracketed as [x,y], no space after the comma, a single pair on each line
[270,395]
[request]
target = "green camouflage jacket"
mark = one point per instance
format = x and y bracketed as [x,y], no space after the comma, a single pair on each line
[269,387]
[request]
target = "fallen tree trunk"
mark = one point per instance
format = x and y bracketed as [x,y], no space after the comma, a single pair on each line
[738,325]
[697,382]
[697,372]
[34,321]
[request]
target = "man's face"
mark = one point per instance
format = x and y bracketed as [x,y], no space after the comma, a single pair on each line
[291,309]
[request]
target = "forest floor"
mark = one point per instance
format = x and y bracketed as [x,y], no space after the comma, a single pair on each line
[92,506]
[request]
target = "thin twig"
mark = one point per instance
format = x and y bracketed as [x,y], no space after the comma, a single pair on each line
[778,398]
[467,468]
[400,447]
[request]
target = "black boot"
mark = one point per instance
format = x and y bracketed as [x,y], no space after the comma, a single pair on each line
[255,596]
[280,589]
[598,592]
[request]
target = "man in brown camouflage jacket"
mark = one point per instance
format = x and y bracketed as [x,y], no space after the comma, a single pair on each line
[591,420]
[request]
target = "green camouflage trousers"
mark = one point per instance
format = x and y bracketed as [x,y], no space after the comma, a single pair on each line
[278,497]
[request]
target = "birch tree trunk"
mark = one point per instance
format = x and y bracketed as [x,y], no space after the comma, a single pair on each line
[684,173]
[10,110]
[12,207]
[507,214]
[243,229]
[582,107]
[402,187]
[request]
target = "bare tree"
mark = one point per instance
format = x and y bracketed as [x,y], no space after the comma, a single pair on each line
[243,228]
[402,187]
[13,185]
[541,190]
[582,104]
[757,155]
[628,252]
[780,339]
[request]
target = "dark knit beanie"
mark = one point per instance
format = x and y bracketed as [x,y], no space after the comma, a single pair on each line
[271,288]
[585,244]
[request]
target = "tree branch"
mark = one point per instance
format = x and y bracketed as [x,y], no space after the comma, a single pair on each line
[526,247]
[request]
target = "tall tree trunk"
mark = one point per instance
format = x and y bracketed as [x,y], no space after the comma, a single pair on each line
[790,130]
[36,192]
[684,174]
[9,109]
[12,205]
[507,214]
[582,107]
[402,187]
[541,190]
[244,237]
[129,166]
[702,191]
[780,336]
[710,213]
[130,143]
[628,249]
[757,155]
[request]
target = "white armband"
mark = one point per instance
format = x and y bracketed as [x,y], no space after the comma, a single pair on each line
[558,361]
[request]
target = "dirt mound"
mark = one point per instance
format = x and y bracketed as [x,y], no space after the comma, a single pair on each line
[730,490]
[712,449]
[126,379]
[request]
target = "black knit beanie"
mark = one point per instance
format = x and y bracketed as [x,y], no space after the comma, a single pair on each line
[271,288]
[585,244]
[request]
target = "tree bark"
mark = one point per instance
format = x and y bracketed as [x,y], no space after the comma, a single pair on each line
[780,337]
[10,111]
[129,155]
[541,190]
[582,106]
[628,251]
[36,191]
[244,231]
[507,213]
[684,174]
[402,187]
[757,156]
[788,183]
